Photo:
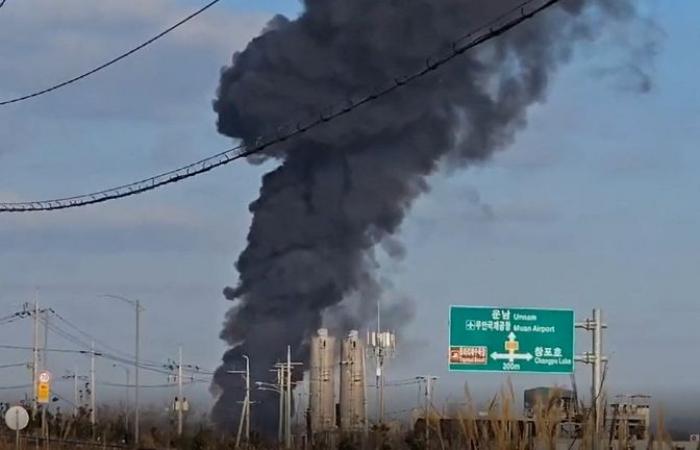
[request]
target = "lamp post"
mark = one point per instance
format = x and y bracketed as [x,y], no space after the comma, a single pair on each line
[138,308]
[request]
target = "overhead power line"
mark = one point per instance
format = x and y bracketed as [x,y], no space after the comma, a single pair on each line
[475,38]
[19,386]
[54,350]
[2,3]
[8,366]
[111,61]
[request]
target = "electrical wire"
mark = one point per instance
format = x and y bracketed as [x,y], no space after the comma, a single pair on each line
[8,366]
[101,343]
[19,386]
[52,350]
[2,3]
[163,385]
[80,343]
[128,359]
[14,317]
[111,61]
[286,132]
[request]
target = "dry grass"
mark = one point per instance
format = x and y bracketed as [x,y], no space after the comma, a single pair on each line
[499,427]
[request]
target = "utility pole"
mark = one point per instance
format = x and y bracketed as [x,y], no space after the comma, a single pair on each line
[137,406]
[75,392]
[76,397]
[288,412]
[179,403]
[44,352]
[284,389]
[280,386]
[245,410]
[35,354]
[596,358]
[247,400]
[43,366]
[428,379]
[93,389]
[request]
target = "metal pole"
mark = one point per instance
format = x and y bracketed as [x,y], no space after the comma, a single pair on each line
[35,355]
[93,389]
[179,394]
[137,407]
[280,387]
[597,372]
[288,412]
[240,422]
[75,392]
[364,392]
[44,426]
[247,400]
[381,389]
[126,405]
[17,429]
[44,353]
[427,412]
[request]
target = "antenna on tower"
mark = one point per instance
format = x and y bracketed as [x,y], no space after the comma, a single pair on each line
[383,345]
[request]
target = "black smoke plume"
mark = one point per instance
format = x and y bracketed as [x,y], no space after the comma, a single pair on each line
[343,188]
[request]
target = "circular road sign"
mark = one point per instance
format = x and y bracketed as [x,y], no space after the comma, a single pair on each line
[44,376]
[16,418]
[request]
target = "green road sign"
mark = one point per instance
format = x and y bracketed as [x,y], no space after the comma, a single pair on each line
[493,339]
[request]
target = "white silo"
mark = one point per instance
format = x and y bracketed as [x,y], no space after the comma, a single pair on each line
[352,384]
[322,383]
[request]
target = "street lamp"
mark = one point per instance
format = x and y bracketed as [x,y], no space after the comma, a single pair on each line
[138,308]
[126,405]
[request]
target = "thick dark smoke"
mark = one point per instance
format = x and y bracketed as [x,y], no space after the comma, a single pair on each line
[346,187]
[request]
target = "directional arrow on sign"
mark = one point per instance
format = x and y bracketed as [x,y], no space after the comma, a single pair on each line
[511,356]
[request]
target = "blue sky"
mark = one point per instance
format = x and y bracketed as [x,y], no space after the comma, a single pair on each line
[594,205]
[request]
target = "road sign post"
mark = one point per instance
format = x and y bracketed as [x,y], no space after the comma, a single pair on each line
[520,340]
[17,419]
[44,387]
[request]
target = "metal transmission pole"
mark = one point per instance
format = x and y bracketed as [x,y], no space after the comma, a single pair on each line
[428,379]
[137,407]
[596,359]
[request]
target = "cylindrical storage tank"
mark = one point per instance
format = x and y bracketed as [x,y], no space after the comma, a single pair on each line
[352,384]
[322,383]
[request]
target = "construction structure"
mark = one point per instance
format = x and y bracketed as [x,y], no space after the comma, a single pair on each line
[550,397]
[322,418]
[353,404]
[629,418]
